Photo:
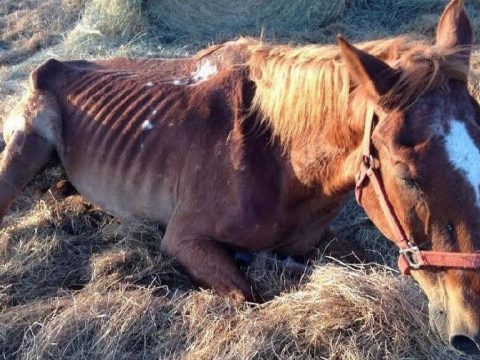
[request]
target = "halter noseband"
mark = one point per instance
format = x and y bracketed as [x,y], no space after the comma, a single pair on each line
[411,257]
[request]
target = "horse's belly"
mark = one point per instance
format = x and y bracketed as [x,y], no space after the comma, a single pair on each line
[146,197]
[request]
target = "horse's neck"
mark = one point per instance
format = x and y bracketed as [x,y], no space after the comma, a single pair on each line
[320,162]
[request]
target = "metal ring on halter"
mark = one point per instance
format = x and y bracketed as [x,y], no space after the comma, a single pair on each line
[413,256]
[369,160]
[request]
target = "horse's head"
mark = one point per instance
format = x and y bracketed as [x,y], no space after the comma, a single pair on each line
[429,164]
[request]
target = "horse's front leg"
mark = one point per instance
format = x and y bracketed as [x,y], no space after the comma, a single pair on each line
[25,154]
[206,260]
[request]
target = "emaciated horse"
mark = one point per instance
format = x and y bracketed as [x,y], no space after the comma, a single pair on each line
[255,146]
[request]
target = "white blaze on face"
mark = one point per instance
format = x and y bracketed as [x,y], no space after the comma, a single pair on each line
[204,71]
[464,155]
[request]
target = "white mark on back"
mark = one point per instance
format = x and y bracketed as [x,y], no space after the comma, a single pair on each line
[149,84]
[464,155]
[181,82]
[147,125]
[203,71]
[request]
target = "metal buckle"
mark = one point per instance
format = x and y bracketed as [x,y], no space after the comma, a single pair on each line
[368,160]
[413,257]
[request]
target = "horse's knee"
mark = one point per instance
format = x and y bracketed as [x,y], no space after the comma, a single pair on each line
[25,154]
[207,262]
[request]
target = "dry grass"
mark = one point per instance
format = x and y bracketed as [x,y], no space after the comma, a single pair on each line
[75,283]
[28,26]
[217,19]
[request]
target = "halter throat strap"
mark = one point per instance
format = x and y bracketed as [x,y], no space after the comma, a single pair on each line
[410,256]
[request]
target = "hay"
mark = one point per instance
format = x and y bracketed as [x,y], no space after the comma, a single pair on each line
[212,20]
[28,26]
[474,84]
[340,313]
[75,283]
[106,27]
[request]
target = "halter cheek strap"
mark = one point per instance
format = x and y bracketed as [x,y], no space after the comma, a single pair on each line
[411,257]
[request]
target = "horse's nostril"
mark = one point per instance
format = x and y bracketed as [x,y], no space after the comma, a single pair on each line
[465,344]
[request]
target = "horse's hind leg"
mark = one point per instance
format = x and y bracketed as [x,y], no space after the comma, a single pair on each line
[25,154]
[206,260]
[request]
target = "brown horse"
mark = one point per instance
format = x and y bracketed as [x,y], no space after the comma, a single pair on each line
[255,146]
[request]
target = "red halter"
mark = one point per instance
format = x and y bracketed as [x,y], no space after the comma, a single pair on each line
[411,257]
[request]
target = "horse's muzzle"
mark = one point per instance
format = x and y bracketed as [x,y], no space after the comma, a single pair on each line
[461,339]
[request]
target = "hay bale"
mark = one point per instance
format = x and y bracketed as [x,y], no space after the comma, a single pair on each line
[117,20]
[211,20]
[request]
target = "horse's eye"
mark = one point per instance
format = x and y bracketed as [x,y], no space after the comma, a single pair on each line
[409,182]
[403,174]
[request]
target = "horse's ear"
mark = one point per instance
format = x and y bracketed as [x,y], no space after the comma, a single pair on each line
[454,28]
[367,70]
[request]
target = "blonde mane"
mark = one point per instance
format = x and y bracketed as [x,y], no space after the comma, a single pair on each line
[301,89]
